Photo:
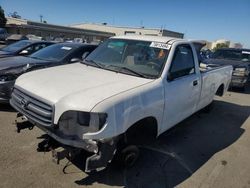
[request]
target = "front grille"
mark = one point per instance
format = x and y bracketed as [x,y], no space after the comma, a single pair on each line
[33,109]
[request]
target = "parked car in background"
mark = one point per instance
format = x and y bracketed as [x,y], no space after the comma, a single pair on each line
[79,40]
[127,92]
[34,37]
[59,39]
[3,34]
[238,58]
[14,38]
[23,48]
[54,55]
[206,53]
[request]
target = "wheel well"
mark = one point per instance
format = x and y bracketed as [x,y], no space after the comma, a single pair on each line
[143,131]
[220,90]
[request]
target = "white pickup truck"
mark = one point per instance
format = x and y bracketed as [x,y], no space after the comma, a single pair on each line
[129,90]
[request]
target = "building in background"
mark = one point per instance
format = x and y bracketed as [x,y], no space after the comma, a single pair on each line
[220,41]
[87,32]
[235,45]
[51,31]
[208,45]
[91,32]
[230,44]
[118,30]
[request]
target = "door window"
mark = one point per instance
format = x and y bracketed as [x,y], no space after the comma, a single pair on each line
[39,47]
[182,63]
[35,47]
[29,50]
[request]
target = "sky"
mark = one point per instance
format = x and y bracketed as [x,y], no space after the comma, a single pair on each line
[198,19]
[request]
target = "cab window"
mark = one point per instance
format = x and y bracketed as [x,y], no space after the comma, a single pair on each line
[182,63]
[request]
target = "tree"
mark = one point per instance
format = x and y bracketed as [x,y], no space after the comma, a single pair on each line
[15,15]
[3,20]
[220,45]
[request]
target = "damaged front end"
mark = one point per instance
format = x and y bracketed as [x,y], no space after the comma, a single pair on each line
[68,146]
[68,133]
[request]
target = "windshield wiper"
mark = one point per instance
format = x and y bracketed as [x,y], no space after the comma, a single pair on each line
[91,62]
[128,69]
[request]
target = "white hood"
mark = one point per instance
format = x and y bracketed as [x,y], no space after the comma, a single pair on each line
[76,86]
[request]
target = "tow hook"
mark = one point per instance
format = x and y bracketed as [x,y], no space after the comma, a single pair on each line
[21,123]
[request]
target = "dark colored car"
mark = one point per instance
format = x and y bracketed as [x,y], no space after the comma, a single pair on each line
[15,38]
[23,47]
[54,55]
[206,53]
[238,58]
[3,34]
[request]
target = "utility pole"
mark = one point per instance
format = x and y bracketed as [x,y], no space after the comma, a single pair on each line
[141,22]
[41,18]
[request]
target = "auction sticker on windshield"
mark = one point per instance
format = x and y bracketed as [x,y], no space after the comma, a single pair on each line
[160,45]
[66,48]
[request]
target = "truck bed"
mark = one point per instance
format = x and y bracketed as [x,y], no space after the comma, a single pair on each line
[212,77]
[209,67]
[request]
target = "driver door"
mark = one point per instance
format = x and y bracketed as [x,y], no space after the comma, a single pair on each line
[182,87]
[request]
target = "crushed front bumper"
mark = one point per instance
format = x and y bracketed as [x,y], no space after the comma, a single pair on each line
[88,145]
[102,151]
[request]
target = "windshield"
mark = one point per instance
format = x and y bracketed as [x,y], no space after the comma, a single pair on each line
[139,58]
[56,52]
[16,46]
[238,55]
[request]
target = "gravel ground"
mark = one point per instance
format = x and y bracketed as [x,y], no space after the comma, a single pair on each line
[206,150]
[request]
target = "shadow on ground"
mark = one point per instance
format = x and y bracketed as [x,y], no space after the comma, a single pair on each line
[246,90]
[6,108]
[179,152]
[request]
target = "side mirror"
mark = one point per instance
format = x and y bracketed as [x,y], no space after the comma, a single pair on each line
[24,52]
[74,60]
[84,55]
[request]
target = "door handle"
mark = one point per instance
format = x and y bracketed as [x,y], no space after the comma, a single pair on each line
[195,82]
